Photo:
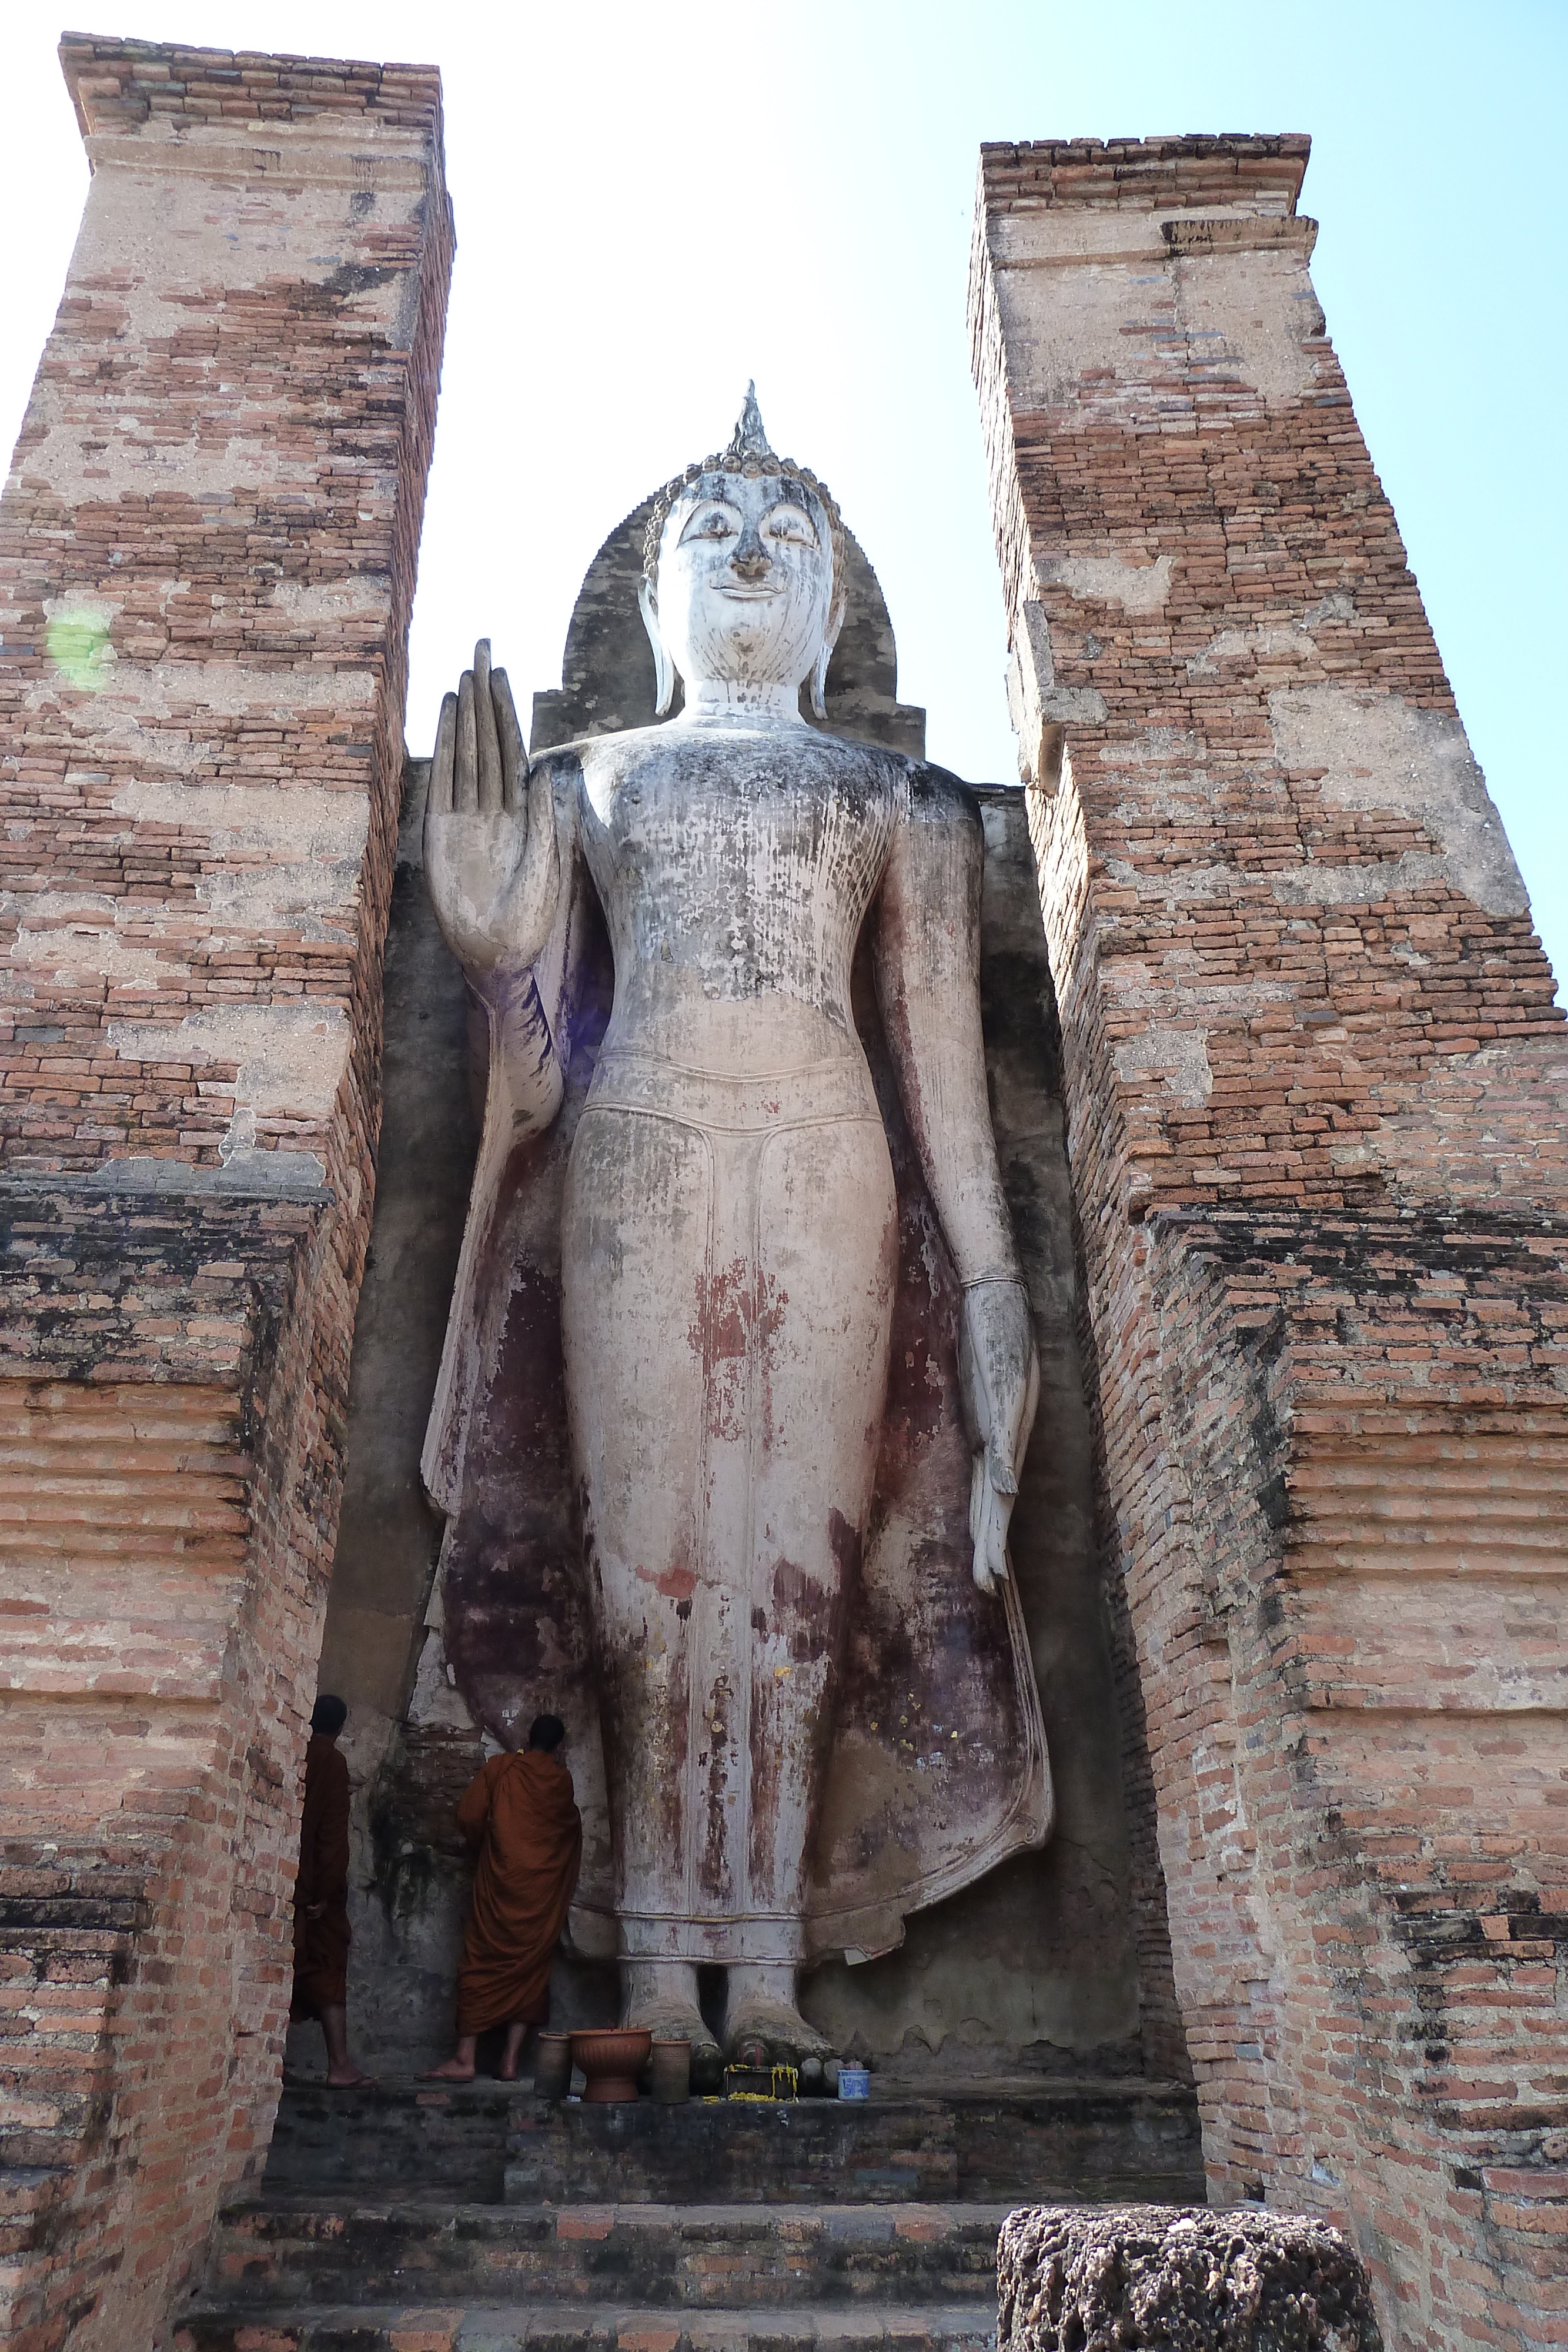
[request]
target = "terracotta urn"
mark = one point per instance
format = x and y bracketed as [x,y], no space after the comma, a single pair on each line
[611,2061]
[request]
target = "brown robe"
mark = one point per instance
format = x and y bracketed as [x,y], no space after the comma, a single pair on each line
[518,1812]
[321,1945]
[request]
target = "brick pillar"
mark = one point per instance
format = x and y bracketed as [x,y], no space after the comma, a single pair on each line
[207,551]
[1315,1083]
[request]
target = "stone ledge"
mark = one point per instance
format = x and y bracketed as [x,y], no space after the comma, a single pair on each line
[1243,2281]
[118,85]
[1293,234]
[1264,171]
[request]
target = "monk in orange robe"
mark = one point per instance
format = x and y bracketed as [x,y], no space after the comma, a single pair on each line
[321,1894]
[520,1812]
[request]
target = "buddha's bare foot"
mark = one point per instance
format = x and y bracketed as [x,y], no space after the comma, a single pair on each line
[661,1997]
[670,2019]
[759,2032]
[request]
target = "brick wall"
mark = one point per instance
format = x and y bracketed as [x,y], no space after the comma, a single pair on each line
[1315,1082]
[208,551]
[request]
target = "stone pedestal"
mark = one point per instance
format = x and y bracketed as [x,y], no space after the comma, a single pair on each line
[1188,2279]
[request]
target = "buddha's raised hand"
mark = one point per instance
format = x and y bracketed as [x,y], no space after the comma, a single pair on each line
[1000,1374]
[491,860]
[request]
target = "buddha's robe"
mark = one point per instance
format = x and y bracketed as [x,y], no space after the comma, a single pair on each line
[519,1811]
[321,1942]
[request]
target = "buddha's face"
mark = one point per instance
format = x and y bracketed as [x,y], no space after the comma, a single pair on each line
[746,581]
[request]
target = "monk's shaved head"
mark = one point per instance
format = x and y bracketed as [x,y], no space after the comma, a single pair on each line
[547,1731]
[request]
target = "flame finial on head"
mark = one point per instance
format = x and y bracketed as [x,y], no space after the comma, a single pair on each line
[748,443]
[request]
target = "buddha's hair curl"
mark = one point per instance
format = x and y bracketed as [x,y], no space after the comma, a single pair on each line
[726,461]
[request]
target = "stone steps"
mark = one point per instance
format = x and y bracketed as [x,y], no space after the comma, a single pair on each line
[595,2328]
[671,2256]
[476,2218]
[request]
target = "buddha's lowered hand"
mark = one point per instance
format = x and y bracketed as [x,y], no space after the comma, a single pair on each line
[1000,1373]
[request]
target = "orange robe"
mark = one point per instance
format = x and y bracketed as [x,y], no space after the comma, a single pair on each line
[518,1812]
[321,1945]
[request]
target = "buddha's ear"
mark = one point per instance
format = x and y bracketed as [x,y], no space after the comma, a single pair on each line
[663,668]
[820,673]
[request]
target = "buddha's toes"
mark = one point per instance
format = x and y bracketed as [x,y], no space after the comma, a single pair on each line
[776,2029]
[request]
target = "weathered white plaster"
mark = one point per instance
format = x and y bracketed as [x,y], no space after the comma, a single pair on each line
[139,693]
[198,203]
[1121,292]
[309,603]
[289,1057]
[360,153]
[1247,315]
[1040,710]
[1260,646]
[1174,748]
[1179,1057]
[305,843]
[1097,320]
[1377,752]
[1043,235]
[1109,578]
[71,930]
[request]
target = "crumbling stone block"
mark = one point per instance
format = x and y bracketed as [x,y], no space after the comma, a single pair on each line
[1092,2278]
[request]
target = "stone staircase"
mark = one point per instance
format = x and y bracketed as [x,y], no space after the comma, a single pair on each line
[411,2219]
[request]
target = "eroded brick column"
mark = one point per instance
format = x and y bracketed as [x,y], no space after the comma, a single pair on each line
[1316,1085]
[208,551]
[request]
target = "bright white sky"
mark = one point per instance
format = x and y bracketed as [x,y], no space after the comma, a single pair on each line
[656,201]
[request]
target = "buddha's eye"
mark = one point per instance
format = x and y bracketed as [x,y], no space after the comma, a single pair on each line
[711,522]
[791,524]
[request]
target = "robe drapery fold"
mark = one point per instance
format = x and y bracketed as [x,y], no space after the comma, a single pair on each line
[520,1813]
[321,1943]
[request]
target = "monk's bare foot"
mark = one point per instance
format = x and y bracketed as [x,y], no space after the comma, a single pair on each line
[452,2071]
[349,2078]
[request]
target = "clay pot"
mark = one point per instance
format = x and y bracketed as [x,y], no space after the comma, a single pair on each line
[552,2066]
[611,2061]
[671,2073]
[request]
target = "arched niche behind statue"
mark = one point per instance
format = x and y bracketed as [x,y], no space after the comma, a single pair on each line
[607,669]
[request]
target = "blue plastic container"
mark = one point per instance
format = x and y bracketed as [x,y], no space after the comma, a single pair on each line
[854,2083]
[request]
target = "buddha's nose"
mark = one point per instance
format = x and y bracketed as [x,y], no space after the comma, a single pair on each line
[751,559]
